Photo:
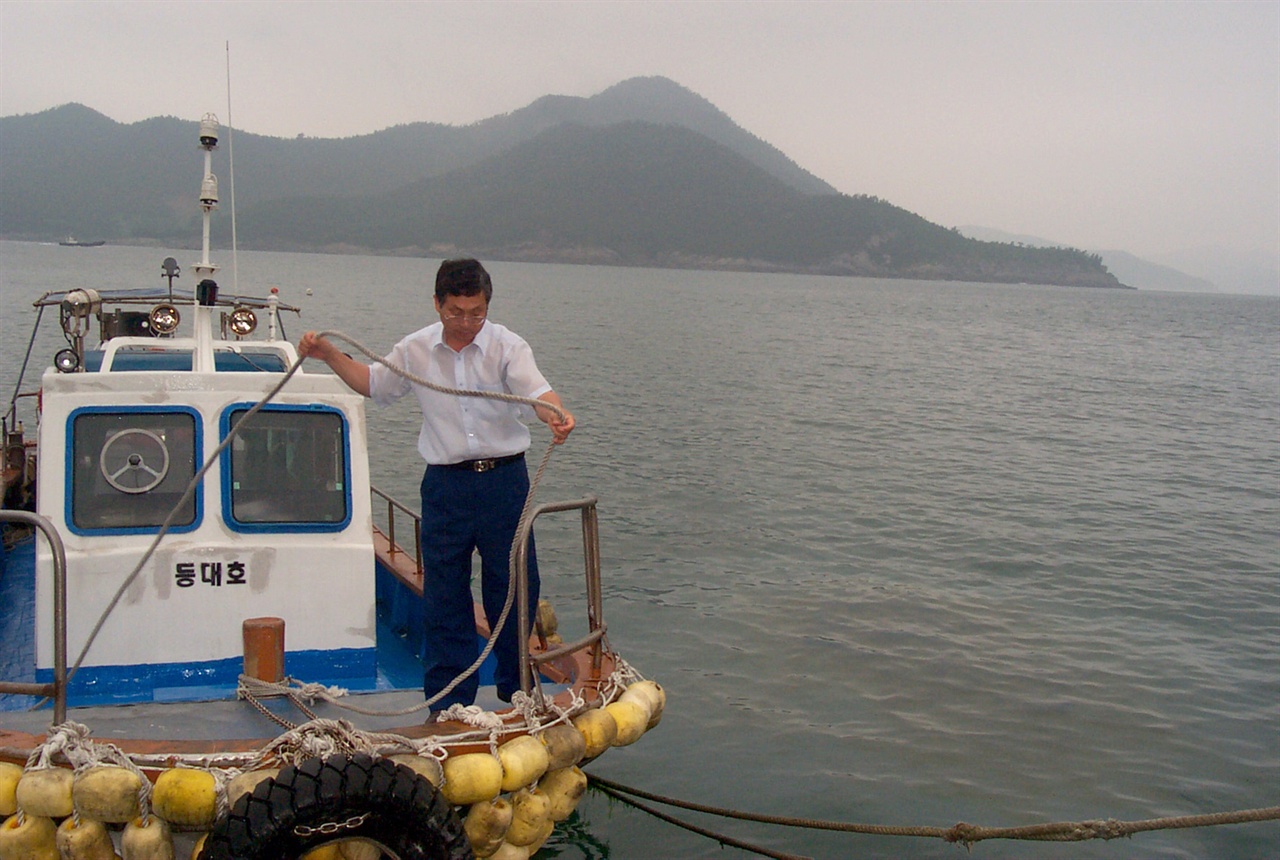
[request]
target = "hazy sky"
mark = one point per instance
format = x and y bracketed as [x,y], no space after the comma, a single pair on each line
[1144,126]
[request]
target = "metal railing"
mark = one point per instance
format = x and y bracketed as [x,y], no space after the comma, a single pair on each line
[595,595]
[393,547]
[57,690]
[591,564]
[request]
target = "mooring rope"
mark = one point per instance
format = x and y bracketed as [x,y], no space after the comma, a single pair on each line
[723,839]
[962,833]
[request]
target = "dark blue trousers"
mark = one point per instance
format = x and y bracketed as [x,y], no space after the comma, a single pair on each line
[465,511]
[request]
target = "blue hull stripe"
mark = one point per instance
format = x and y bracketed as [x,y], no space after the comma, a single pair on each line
[351,668]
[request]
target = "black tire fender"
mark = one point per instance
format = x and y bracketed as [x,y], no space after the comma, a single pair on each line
[340,797]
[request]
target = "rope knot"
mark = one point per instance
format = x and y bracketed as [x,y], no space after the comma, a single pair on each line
[963,834]
[1099,829]
[472,715]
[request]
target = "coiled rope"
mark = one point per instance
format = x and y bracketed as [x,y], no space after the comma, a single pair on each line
[962,833]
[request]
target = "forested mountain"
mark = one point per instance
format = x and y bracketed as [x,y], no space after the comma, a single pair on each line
[646,173]
[650,195]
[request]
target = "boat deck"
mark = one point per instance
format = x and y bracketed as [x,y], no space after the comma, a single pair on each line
[225,719]
[18,597]
[209,717]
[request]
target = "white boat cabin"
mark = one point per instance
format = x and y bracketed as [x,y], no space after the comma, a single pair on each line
[279,526]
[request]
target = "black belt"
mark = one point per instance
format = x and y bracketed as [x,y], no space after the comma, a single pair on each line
[483,465]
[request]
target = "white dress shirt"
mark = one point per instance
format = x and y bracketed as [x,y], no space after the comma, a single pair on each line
[458,428]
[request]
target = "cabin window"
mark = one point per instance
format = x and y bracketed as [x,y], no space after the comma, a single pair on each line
[287,470]
[130,469]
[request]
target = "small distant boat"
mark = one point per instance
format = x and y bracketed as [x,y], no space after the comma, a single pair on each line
[73,242]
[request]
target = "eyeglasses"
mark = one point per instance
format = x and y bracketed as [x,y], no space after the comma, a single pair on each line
[468,319]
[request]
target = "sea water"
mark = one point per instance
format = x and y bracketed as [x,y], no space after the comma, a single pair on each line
[901,553]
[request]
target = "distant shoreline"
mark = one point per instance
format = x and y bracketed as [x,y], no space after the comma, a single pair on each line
[594,257]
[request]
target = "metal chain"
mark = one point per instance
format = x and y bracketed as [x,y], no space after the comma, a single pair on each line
[331,828]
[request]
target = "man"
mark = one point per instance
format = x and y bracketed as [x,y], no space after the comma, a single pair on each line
[476,481]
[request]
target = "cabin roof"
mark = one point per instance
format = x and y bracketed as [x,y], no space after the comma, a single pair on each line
[152,295]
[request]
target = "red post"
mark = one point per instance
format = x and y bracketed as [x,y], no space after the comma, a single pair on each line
[264,648]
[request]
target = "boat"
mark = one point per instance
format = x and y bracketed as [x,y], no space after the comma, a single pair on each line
[211,636]
[73,242]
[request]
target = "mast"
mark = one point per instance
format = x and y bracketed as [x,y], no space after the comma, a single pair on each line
[206,286]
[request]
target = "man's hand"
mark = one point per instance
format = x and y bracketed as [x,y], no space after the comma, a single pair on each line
[313,345]
[560,427]
[560,430]
[350,371]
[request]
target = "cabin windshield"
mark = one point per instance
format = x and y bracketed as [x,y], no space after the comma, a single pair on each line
[130,467]
[288,470]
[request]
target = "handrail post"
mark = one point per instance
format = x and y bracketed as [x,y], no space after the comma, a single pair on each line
[522,600]
[417,547]
[391,525]
[59,615]
[591,562]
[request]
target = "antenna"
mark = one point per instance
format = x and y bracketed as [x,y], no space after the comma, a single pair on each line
[231,167]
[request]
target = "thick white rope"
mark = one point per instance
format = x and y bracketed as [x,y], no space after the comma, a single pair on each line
[234,431]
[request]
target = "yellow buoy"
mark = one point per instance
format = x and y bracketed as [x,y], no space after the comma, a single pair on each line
[651,693]
[85,839]
[543,835]
[599,729]
[507,851]
[107,793]
[34,838]
[150,841]
[46,792]
[530,812]
[565,746]
[425,766]
[244,783]
[563,788]
[359,849]
[632,718]
[345,849]
[10,773]
[186,797]
[486,825]
[524,759]
[471,778]
[546,615]
[329,851]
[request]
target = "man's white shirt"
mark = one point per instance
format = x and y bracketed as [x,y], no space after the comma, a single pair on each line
[457,428]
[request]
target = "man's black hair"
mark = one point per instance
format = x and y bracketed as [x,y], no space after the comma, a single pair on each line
[464,277]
